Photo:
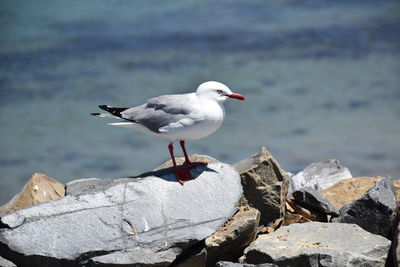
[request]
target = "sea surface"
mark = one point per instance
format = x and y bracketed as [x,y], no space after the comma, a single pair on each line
[321,78]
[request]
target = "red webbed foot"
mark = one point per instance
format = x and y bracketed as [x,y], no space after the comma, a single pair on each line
[187,160]
[182,174]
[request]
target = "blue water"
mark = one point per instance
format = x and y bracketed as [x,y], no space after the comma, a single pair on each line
[322,79]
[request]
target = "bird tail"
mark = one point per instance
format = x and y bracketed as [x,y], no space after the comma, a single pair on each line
[104,115]
[114,112]
[122,124]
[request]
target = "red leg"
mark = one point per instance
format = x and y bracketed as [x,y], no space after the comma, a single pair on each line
[182,174]
[171,152]
[187,160]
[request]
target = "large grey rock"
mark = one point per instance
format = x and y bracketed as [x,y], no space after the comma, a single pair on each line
[143,221]
[264,185]
[6,263]
[319,176]
[82,186]
[319,244]
[372,211]
[313,199]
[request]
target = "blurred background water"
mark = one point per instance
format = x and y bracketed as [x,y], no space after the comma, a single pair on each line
[322,79]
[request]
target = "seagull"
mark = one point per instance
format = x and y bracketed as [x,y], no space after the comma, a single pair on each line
[178,117]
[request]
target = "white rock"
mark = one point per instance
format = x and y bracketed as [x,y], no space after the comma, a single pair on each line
[153,216]
[319,176]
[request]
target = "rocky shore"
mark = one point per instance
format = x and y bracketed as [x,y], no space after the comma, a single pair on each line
[251,213]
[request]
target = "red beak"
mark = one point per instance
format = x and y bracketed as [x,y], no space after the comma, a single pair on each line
[237,96]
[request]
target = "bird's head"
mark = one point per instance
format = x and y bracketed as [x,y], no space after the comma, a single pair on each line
[217,91]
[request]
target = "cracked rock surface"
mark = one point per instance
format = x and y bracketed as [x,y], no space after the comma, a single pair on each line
[233,237]
[319,244]
[264,183]
[145,221]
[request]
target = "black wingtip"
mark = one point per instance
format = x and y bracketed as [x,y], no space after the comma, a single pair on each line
[113,110]
[95,114]
[103,107]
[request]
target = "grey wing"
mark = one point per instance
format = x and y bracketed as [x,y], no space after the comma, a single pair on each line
[172,104]
[159,112]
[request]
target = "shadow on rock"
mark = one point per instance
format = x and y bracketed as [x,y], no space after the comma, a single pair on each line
[168,173]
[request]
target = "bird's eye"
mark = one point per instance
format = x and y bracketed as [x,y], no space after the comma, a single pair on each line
[219,91]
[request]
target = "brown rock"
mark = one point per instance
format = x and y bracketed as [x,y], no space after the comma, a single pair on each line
[295,213]
[290,218]
[308,214]
[233,237]
[264,184]
[348,190]
[266,230]
[40,188]
[181,160]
